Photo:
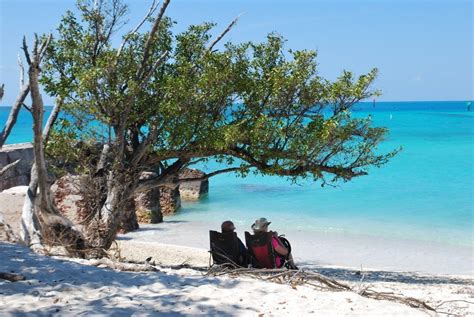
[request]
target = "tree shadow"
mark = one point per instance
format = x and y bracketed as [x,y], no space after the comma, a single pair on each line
[104,291]
[355,275]
[150,227]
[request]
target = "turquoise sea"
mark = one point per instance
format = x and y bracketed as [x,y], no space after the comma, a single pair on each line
[425,193]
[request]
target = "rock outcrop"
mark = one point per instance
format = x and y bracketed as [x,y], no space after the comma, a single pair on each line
[129,219]
[193,189]
[149,207]
[147,204]
[170,200]
[144,208]
[6,232]
[18,175]
[66,195]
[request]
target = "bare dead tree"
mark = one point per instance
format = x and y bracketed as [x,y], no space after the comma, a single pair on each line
[41,221]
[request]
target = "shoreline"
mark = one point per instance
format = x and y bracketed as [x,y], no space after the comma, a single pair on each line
[316,250]
[310,249]
[64,286]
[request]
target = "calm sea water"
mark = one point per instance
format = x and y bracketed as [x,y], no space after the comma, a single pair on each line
[424,193]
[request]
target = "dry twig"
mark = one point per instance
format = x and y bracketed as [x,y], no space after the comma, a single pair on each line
[314,279]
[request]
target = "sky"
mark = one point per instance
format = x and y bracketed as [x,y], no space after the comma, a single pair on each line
[423,49]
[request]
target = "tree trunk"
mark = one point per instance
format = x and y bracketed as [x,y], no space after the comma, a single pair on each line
[102,228]
[30,230]
[41,221]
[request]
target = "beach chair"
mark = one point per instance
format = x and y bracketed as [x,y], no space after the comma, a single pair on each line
[260,248]
[225,248]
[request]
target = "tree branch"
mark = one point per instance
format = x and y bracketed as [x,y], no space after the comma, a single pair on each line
[157,63]
[227,29]
[22,71]
[4,169]
[24,105]
[52,119]
[25,50]
[149,41]
[152,9]
[42,48]
[161,181]
[15,110]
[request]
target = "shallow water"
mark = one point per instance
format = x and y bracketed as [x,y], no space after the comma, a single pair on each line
[424,193]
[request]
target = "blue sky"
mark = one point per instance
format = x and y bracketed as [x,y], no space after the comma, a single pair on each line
[423,49]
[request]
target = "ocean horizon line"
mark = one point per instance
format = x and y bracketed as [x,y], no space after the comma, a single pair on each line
[361,102]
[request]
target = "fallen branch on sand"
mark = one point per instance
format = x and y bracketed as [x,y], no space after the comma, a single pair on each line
[316,280]
[122,266]
[114,265]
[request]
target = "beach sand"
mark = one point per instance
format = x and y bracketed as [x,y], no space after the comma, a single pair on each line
[59,286]
[319,249]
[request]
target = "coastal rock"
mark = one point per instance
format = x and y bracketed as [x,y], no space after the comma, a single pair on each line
[170,200]
[6,232]
[66,195]
[129,219]
[19,174]
[144,208]
[193,189]
[147,204]
[67,198]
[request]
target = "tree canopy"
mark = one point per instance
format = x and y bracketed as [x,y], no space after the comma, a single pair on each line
[184,100]
[162,101]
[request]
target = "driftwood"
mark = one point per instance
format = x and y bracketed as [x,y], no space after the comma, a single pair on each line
[121,266]
[11,277]
[316,280]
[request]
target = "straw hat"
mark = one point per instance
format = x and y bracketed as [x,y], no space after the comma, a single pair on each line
[260,224]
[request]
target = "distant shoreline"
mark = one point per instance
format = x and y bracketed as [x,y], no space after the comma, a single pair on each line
[362,102]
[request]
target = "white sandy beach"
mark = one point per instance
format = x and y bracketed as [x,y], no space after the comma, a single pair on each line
[311,249]
[58,286]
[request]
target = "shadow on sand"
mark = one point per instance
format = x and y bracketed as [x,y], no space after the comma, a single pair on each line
[354,275]
[166,295]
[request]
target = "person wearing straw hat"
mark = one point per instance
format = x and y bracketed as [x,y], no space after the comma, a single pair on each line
[283,251]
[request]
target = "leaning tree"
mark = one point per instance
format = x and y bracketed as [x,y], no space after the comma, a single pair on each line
[160,102]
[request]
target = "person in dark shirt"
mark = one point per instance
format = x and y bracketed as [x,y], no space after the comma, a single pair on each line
[228,226]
